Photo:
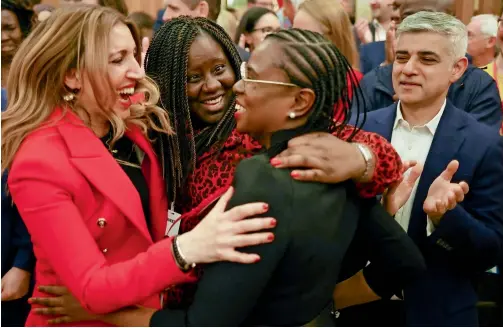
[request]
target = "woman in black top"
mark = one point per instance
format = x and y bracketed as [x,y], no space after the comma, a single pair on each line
[289,88]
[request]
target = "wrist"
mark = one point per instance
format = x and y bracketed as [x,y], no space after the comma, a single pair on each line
[185,244]
[364,163]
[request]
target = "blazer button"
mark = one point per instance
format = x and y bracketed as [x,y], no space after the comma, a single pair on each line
[105,250]
[102,222]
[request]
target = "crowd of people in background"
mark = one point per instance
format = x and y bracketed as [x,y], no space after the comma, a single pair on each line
[281,164]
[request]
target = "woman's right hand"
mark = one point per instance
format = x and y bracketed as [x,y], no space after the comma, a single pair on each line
[218,235]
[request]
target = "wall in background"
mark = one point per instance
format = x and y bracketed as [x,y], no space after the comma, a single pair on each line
[149,6]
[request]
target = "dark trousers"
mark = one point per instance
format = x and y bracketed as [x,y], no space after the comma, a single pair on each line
[14,313]
[374,314]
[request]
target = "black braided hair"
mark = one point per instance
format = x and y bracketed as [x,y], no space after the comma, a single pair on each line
[166,62]
[314,62]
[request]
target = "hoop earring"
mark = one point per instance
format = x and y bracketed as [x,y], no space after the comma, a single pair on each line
[292,115]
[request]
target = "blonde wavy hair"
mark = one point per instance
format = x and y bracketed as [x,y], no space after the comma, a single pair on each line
[336,26]
[76,38]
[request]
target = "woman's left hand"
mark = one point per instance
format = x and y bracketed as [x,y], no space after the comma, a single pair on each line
[62,304]
[324,157]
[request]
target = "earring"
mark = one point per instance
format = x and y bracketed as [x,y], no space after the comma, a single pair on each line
[291,115]
[69,97]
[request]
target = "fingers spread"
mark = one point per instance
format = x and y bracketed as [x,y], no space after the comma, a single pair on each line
[464,186]
[308,159]
[309,139]
[451,169]
[223,201]
[252,225]
[309,175]
[244,211]
[251,239]
[234,256]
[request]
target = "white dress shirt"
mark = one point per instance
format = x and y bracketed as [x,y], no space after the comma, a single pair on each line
[380,32]
[413,143]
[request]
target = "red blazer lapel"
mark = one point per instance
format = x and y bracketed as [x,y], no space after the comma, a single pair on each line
[153,174]
[92,159]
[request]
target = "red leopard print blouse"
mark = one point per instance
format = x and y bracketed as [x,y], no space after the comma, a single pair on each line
[215,170]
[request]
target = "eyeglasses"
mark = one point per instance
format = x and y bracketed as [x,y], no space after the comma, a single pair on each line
[244,74]
[267,30]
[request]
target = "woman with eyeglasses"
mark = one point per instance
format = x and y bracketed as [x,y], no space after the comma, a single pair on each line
[300,75]
[255,25]
[196,65]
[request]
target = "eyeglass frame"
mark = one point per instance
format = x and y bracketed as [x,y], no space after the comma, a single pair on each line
[245,79]
[262,30]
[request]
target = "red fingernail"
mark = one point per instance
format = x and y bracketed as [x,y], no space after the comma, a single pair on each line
[270,237]
[295,174]
[273,223]
[266,206]
[275,162]
[257,260]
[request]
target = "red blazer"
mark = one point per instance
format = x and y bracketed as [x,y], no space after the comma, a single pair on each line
[86,220]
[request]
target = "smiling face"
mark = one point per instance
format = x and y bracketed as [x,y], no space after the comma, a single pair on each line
[124,72]
[11,34]
[266,95]
[210,78]
[424,68]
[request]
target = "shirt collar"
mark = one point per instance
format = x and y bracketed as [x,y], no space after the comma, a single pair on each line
[431,125]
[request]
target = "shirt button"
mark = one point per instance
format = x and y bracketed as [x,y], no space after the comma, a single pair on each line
[105,250]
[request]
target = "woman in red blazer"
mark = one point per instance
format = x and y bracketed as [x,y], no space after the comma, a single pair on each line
[84,175]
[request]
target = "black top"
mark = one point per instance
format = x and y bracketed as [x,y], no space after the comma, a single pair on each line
[125,155]
[295,278]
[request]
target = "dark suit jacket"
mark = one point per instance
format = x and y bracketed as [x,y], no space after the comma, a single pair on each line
[294,280]
[469,239]
[159,21]
[475,92]
[17,250]
[372,55]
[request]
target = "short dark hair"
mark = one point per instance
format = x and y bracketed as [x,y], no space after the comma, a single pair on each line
[214,7]
[142,20]
[250,19]
[23,12]
[314,62]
